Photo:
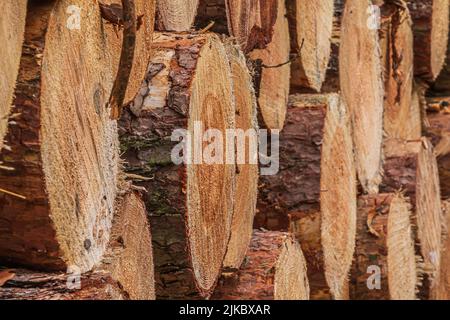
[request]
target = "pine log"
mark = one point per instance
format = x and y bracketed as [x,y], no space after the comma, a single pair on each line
[412,167]
[439,133]
[316,187]
[401,108]
[126,271]
[362,90]
[145,19]
[247,171]
[273,73]
[311,26]
[274,269]
[384,244]
[444,288]
[176,15]
[190,202]
[431,28]
[57,203]
[12,26]
[251,22]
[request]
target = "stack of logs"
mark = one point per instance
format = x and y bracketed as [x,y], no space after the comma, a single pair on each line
[128,195]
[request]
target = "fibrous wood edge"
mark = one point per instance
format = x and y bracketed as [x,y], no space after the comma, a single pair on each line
[311,26]
[362,90]
[247,168]
[12,27]
[189,87]
[176,15]
[273,73]
[412,167]
[444,288]
[63,146]
[384,254]
[274,269]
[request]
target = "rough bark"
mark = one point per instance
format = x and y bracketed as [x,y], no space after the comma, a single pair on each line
[411,167]
[274,269]
[59,199]
[126,271]
[189,86]
[272,73]
[251,22]
[176,15]
[317,176]
[431,28]
[311,26]
[362,90]
[384,244]
[247,171]
[12,28]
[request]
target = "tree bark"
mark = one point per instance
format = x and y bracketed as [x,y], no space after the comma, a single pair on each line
[361,85]
[316,165]
[411,166]
[385,249]
[176,15]
[274,269]
[57,202]
[431,28]
[190,202]
[12,27]
[311,26]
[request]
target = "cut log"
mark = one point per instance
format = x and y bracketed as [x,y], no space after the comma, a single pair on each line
[385,260]
[397,44]
[145,19]
[411,167]
[444,288]
[431,28]
[247,172]
[190,191]
[126,271]
[57,203]
[176,15]
[316,186]
[12,28]
[251,22]
[362,90]
[273,73]
[274,269]
[439,133]
[311,26]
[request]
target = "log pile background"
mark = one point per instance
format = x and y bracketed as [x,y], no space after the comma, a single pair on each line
[352,95]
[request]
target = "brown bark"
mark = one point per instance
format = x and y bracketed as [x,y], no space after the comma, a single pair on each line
[12,28]
[59,199]
[311,26]
[411,167]
[274,269]
[431,28]
[176,15]
[251,22]
[317,176]
[384,244]
[190,204]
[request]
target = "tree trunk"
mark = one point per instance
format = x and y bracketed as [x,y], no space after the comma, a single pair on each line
[431,28]
[273,73]
[362,90]
[189,199]
[176,15]
[57,203]
[315,188]
[12,26]
[126,271]
[247,171]
[311,26]
[411,166]
[384,249]
[274,269]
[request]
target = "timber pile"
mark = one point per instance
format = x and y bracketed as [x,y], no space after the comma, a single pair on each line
[357,209]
